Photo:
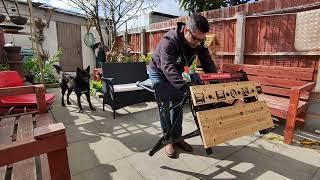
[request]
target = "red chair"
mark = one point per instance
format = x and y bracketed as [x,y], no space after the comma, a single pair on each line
[20,98]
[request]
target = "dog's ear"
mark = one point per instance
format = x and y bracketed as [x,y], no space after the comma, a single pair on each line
[88,69]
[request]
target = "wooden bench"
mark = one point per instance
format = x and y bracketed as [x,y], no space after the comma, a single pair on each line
[32,146]
[285,89]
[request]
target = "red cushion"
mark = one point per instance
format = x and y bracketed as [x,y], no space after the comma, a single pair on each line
[10,79]
[24,100]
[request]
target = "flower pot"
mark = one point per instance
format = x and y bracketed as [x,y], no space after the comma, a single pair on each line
[2,18]
[19,20]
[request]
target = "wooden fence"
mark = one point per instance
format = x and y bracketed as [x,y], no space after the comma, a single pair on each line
[269,28]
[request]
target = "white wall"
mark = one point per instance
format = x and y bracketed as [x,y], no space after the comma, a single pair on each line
[88,57]
[51,39]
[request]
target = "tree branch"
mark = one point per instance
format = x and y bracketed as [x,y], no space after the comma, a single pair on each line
[132,15]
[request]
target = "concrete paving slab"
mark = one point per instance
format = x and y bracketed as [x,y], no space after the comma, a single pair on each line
[81,132]
[316,175]
[277,150]
[157,167]
[249,164]
[119,170]
[101,147]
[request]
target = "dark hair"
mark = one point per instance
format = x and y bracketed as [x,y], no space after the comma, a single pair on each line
[198,22]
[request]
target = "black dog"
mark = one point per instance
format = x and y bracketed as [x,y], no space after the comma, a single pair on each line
[80,84]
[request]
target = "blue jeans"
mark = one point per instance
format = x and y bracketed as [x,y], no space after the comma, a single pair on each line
[169,96]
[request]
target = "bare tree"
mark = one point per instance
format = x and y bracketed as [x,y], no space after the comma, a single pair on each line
[91,9]
[116,13]
[119,12]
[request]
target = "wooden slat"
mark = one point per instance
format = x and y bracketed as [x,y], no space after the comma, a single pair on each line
[18,150]
[295,73]
[223,124]
[45,170]
[19,111]
[262,34]
[293,69]
[50,130]
[25,169]
[223,92]
[42,120]
[282,53]
[279,100]
[6,132]
[283,92]
[280,72]
[287,83]
[268,36]
[279,105]
[10,91]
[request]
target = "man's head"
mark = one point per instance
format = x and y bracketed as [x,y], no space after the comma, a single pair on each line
[195,30]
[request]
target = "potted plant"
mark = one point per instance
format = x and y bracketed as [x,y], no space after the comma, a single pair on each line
[96,88]
[2,17]
[32,69]
[146,58]
[4,67]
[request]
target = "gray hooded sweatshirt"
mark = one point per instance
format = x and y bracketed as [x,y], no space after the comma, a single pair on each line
[173,54]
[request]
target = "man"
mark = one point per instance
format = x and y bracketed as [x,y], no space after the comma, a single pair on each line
[101,54]
[177,49]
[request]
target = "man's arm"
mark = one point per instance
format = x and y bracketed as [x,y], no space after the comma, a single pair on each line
[206,60]
[168,58]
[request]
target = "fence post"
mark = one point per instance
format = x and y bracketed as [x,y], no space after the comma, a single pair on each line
[143,42]
[240,38]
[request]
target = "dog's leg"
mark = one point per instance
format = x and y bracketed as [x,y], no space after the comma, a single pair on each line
[63,91]
[79,103]
[69,92]
[89,101]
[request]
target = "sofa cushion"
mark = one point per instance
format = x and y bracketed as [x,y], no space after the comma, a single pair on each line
[126,87]
[10,79]
[24,100]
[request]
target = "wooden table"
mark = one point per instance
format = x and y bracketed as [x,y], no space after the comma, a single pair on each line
[31,146]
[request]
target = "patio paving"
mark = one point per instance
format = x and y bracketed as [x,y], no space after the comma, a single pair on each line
[101,147]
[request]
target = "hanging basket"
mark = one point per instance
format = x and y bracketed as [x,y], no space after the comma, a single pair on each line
[2,18]
[19,20]
[89,39]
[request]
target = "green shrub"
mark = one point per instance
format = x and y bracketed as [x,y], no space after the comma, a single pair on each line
[146,58]
[31,67]
[4,67]
[95,86]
